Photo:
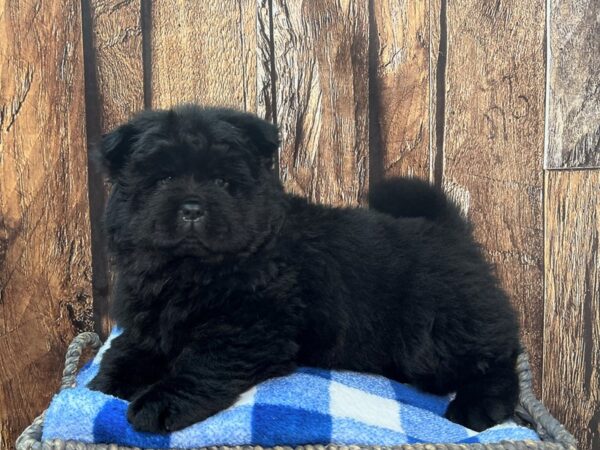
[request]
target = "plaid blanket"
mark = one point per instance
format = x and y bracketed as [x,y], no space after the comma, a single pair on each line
[310,406]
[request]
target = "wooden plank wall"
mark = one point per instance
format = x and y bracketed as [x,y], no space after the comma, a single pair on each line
[571,369]
[452,92]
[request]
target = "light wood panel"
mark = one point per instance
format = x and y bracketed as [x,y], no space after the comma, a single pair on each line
[493,120]
[203,52]
[399,88]
[572,310]
[574,84]
[45,273]
[321,72]
[117,58]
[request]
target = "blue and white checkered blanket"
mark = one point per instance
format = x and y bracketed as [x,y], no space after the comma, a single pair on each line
[311,406]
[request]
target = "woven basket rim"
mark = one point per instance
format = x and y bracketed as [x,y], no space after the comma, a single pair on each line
[553,434]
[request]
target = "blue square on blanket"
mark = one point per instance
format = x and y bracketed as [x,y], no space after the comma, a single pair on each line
[346,431]
[292,391]
[72,414]
[86,374]
[323,373]
[230,427]
[109,423]
[276,425]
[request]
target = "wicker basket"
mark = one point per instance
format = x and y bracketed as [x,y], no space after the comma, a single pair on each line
[553,434]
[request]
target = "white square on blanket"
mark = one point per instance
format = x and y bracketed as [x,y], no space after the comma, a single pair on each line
[364,407]
[247,398]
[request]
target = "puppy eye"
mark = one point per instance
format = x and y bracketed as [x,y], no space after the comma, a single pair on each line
[220,182]
[165,180]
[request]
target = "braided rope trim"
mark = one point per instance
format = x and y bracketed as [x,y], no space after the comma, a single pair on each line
[554,435]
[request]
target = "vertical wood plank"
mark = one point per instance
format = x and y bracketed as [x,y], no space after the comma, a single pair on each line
[399,88]
[493,143]
[437,91]
[204,52]
[117,58]
[572,309]
[574,84]
[45,274]
[265,67]
[321,69]
[114,81]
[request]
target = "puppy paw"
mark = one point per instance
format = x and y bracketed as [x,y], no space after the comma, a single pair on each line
[151,411]
[478,414]
[110,386]
[104,384]
[159,411]
[100,384]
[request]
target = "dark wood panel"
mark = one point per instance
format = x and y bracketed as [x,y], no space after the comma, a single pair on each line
[45,273]
[572,309]
[574,84]
[204,52]
[321,70]
[493,125]
[399,88]
[114,91]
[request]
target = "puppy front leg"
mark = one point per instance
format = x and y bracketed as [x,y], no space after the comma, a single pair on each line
[204,381]
[126,369]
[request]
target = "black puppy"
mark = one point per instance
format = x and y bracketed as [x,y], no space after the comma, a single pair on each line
[223,280]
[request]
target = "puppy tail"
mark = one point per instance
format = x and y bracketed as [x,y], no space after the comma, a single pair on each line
[411,197]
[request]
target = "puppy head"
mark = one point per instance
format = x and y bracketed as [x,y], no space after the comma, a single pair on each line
[192,182]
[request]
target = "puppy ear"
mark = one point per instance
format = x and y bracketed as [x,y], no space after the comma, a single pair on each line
[263,135]
[114,149]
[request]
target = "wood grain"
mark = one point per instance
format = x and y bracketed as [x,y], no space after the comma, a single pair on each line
[265,66]
[45,273]
[204,52]
[117,41]
[114,91]
[574,84]
[493,143]
[437,92]
[399,88]
[572,309]
[321,68]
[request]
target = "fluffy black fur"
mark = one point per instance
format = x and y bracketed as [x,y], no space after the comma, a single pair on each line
[224,280]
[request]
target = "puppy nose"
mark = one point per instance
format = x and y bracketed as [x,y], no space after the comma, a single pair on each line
[191,212]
